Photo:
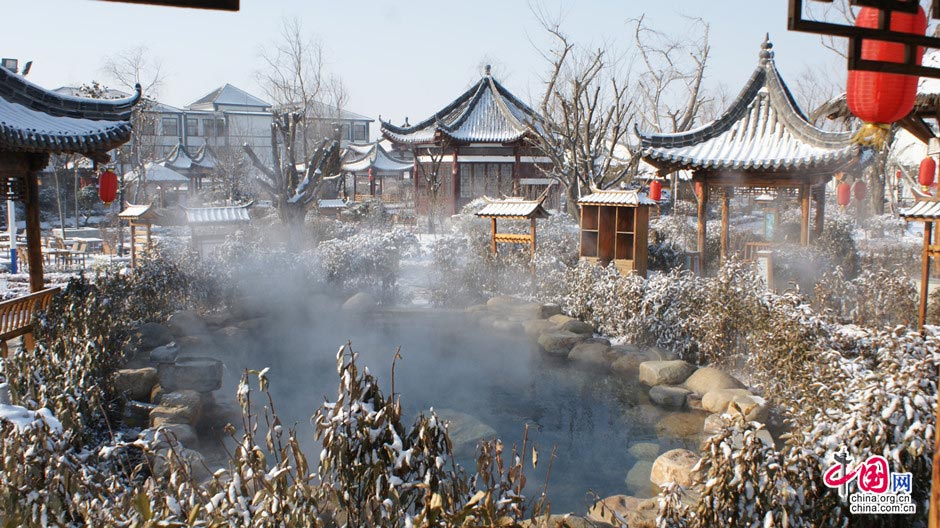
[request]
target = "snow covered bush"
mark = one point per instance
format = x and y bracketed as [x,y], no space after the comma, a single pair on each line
[367,261]
[875,297]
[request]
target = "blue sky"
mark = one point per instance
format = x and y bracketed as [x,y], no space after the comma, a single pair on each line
[404,58]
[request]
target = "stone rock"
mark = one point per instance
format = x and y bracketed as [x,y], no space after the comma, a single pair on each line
[137,414]
[674,466]
[537,326]
[662,354]
[694,401]
[156,394]
[360,302]
[707,379]
[183,434]
[201,374]
[638,479]
[590,352]
[645,515]
[218,318]
[578,327]
[559,343]
[152,335]
[549,310]
[162,415]
[644,451]
[135,383]
[194,459]
[217,414]
[165,354]
[681,425]
[525,311]
[602,340]
[629,358]
[254,325]
[753,407]
[674,372]
[186,323]
[561,319]
[613,510]
[507,326]
[465,430]
[558,521]
[669,396]
[714,423]
[502,301]
[717,401]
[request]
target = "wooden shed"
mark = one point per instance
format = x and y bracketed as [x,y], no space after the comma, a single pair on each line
[615,228]
[513,209]
[139,216]
[928,212]
[211,225]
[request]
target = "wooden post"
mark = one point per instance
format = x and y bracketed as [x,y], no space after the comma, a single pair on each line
[804,217]
[925,277]
[702,224]
[820,221]
[33,226]
[149,237]
[532,234]
[516,166]
[133,245]
[725,228]
[455,175]
[493,225]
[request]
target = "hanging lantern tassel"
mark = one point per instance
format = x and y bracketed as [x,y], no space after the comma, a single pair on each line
[872,135]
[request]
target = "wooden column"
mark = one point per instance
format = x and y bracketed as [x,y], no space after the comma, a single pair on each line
[149,235]
[493,235]
[725,221]
[516,167]
[532,234]
[924,276]
[133,245]
[804,217]
[702,224]
[820,220]
[455,175]
[33,227]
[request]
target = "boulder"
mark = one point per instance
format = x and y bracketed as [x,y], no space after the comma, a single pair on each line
[707,379]
[156,394]
[681,425]
[254,325]
[136,384]
[559,343]
[662,354]
[507,326]
[644,451]
[165,354]
[465,430]
[152,335]
[183,434]
[714,423]
[537,326]
[193,459]
[525,311]
[201,374]
[561,319]
[558,521]
[548,310]
[674,372]
[360,302]
[186,323]
[645,515]
[753,407]
[137,414]
[694,401]
[613,510]
[717,401]
[638,479]
[674,466]
[591,352]
[183,398]
[161,415]
[669,396]
[629,358]
[578,327]
[501,302]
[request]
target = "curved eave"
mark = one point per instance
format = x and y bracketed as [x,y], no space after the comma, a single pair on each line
[17,89]
[831,161]
[27,140]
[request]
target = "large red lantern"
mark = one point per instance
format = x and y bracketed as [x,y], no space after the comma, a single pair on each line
[927,173]
[656,190]
[107,186]
[859,191]
[876,98]
[843,194]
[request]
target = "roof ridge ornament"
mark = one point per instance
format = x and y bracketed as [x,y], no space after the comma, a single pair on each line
[766,50]
[486,70]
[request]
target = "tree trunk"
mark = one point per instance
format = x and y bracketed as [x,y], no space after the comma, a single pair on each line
[571,195]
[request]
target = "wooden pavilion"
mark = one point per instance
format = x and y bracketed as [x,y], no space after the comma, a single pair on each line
[763,143]
[615,228]
[484,136]
[926,211]
[371,167]
[35,123]
[513,209]
[139,216]
[210,226]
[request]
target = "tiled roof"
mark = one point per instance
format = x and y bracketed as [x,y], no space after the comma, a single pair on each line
[157,173]
[336,203]
[230,96]
[358,159]
[616,197]
[178,159]
[33,119]
[763,129]
[133,212]
[486,113]
[205,158]
[513,208]
[237,214]
[923,210]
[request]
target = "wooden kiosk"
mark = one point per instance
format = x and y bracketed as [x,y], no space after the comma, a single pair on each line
[615,228]
[928,212]
[513,209]
[139,216]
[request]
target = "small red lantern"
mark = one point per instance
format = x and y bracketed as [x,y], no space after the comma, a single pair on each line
[656,190]
[107,186]
[843,194]
[927,173]
[371,177]
[898,175]
[859,190]
[876,98]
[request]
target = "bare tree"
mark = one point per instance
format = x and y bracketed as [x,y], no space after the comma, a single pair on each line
[585,110]
[431,179]
[293,190]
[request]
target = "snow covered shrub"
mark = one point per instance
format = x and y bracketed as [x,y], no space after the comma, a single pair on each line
[367,261]
[874,298]
[933,308]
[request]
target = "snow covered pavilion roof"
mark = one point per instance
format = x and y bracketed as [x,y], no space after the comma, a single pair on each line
[618,197]
[33,119]
[762,131]
[372,156]
[925,211]
[215,216]
[513,208]
[486,113]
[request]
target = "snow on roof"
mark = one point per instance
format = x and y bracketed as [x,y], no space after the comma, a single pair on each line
[236,214]
[133,212]
[763,129]
[156,173]
[374,157]
[177,159]
[630,198]
[928,210]
[486,113]
[230,96]
[512,208]
[332,204]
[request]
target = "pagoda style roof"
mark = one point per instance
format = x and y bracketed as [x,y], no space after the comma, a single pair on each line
[177,159]
[513,208]
[208,216]
[33,119]
[486,113]
[156,173]
[372,156]
[762,131]
[139,212]
[925,211]
[227,95]
[205,158]
[616,197]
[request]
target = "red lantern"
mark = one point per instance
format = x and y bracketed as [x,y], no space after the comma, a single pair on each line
[859,190]
[928,170]
[107,186]
[371,177]
[698,189]
[843,194]
[898,175]
[878,98]
[656,190]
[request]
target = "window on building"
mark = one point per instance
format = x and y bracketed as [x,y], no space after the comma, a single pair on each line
[345,132]
[213,127]
[360,132]
[192,126]
[466,187]
[505,178]
[170,126]
[148,126]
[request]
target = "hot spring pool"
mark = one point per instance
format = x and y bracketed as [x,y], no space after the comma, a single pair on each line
[488,381]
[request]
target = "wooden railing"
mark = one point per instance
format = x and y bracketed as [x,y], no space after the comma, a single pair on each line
[16,315]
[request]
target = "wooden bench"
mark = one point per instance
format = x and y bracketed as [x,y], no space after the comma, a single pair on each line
[16,316]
